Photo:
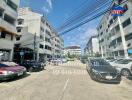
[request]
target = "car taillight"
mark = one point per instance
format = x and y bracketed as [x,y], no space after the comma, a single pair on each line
[1,72]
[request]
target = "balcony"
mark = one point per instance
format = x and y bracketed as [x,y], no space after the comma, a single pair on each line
[11,12]
[8,44]
[48,51]
[7,26]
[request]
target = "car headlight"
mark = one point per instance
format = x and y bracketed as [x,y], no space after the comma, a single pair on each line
[95,71]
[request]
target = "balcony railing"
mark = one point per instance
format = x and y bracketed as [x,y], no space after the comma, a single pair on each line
[9,27]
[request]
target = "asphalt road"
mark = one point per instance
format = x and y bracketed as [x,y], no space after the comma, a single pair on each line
[68,81]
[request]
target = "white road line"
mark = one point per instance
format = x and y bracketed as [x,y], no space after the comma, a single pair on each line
[64,88]
[66,83]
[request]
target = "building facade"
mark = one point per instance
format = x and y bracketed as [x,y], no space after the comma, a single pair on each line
[37,35]
[72,50]
[109,33]
[92,47]
[8,18]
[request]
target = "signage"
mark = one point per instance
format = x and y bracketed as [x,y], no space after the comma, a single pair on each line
[130,51]
[117,11]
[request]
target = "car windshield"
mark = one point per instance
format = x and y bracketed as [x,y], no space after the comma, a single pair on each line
[3,65]
[10,63]
[99,63]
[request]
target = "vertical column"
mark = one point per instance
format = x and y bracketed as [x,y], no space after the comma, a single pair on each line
[123,38]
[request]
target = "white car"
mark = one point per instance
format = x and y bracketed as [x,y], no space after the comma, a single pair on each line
[114,62]
[124,66]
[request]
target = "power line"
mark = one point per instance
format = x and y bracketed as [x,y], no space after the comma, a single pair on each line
[90,14]
[81,13]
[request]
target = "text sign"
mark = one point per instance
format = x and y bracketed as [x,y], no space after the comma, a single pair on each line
[117,11]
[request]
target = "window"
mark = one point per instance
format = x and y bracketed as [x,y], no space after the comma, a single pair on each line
[1,12]
[12,5]
[17,38]
[128,37]
[117,28]
[100,26]
[9,19]
[41,46]
[47,39]
[119,40]
[42,29]
[47,47]
[126,23]
[20,21]
[47,32]
[19,29]
[101,33]
[2,35]
[111,21]
[115,17]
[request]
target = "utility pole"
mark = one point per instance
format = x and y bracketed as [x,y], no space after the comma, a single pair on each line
[34,53]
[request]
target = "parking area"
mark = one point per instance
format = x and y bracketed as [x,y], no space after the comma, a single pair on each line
[69,81]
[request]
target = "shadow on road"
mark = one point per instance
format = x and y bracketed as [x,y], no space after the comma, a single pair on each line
[130,77]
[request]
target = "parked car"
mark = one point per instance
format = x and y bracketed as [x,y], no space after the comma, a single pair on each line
[32,65]
[10,70]
[83,60]
[114,61]
[124,66]
[102,71]
[64,60]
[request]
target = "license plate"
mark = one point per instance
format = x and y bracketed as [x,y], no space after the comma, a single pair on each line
[109,77]
[21,73]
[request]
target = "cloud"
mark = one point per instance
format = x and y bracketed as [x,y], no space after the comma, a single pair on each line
[48,6]
[50,3]
[81,35]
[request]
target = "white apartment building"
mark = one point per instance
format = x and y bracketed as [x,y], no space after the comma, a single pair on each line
[92,46]
[8,17]
[72,50]
[37,33]
[109,33]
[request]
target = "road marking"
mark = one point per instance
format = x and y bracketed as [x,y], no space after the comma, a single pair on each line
[65,85]
[64,88]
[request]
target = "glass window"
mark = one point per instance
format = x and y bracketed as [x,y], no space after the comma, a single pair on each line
[12,5]
[126,23]
[128,37]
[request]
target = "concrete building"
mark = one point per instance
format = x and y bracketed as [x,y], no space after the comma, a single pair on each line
[92,46]
[112,42]
[36,35]
[72,50]
[8,17]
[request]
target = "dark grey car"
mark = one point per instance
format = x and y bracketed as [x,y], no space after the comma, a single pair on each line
[102,71]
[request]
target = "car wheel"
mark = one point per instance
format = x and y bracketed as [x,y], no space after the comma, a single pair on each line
[30,69]
[125,72]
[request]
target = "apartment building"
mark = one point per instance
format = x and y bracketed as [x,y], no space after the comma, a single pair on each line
[37,35]
[109,33]
[72,50]
[8,17]
[92,46]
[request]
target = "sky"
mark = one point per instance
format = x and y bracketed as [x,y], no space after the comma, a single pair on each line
[57,11]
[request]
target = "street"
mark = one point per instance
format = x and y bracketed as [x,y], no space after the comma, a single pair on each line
[68,81]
